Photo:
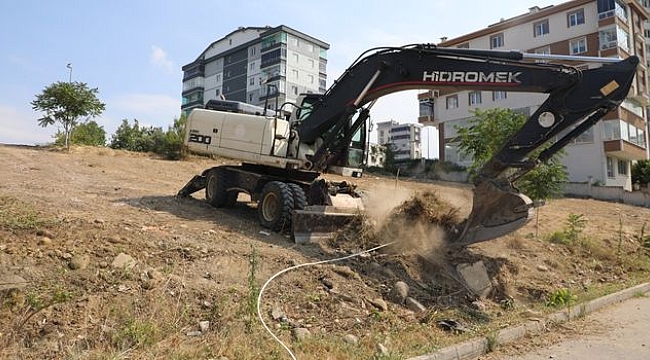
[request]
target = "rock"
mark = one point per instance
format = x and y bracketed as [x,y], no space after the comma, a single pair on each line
[45,241]
[415,306]
[123,261]
[66,256]
[277,313]
[351,339]
[328,283]
[542,268]
[476,278]
[79,262]
[193,333]
[300,333]
[204,326]
[382,350]
[10,282]
[400,292]
[347,272]
[479,305]
[45,233]
[114,239]
[103,264]
[99,221]
[379,304]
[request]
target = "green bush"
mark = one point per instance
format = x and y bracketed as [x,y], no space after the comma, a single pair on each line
[138,138]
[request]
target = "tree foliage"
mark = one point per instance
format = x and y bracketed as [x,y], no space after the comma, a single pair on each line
[488,131]
[66,103]
[641,172]
[88,133]
[151,139]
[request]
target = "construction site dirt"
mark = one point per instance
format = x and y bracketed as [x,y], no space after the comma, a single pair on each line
[99,259]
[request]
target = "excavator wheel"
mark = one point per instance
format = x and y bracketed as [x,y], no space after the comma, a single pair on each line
[216,190]
[299,196]
[275,206]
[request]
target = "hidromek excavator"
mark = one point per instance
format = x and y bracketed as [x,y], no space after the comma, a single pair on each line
[282,159]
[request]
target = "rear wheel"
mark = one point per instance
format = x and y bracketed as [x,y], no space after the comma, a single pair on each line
[275,206]
[216,189]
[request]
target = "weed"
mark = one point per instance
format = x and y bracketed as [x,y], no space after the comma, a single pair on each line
[135,333]
[575,225]
[561,297]
[640,294]
[643,240]
[571,234]
[620,237]
[17,216]
[492,341]
[253,289]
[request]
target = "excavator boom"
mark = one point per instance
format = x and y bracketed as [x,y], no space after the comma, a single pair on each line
[577,100]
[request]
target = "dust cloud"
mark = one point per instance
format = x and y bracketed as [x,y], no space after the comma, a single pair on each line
[381,200]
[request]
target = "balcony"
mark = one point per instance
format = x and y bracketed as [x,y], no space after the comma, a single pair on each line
[427,106]
[624,150]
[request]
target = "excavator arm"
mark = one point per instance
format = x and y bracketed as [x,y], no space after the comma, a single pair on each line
[577,100]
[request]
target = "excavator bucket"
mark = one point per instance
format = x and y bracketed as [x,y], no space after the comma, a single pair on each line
[498,209]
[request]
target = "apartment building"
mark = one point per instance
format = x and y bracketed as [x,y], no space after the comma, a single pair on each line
[604,28]
[404,139]
[262,66]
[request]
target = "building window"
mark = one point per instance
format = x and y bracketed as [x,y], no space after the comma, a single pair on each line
[311,63]
[610,167]
[607,38]
[251,81]
[310,47]
[496,41]
[311,79]
[474,98]
[294,73]
[499,95]
[622,167]
[452,101]
[578,46]
[576,18]
[294,89]
[540,28]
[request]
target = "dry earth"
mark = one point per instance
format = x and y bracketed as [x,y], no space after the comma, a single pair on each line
[98,259]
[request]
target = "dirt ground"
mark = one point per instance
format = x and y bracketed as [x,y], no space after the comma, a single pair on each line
[80,214]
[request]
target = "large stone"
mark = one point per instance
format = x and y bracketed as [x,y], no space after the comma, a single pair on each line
[400,292]
[123,261]
[79,262]
[379,304]
[415,306]
[10,282]
[476,278]
[351,339]
[300,333]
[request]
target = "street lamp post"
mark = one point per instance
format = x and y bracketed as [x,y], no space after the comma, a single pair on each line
[69,66]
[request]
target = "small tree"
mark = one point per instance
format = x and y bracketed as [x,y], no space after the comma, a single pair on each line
[641,172]
[486,133]
[88,133]
[66,103]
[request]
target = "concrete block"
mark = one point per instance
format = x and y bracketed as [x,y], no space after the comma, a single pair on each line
[476,278]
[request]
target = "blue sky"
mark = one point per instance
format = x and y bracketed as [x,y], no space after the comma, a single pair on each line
[132,51]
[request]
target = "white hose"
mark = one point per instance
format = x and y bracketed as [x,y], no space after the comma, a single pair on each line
[259,297]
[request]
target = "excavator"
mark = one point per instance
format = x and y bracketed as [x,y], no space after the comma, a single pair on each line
[283,156]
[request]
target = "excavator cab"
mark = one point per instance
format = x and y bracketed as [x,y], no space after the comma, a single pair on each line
[350,160]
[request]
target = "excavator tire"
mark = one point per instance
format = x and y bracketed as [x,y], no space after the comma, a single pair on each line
[275,207]
[216,190]
[299,196]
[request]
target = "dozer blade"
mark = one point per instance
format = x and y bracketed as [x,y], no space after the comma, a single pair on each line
[318,222]
[498,210]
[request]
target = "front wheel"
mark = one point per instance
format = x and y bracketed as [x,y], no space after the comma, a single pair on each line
[275,207]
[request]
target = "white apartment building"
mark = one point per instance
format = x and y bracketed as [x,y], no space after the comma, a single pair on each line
[605,28]
[404,139]
[256,65]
